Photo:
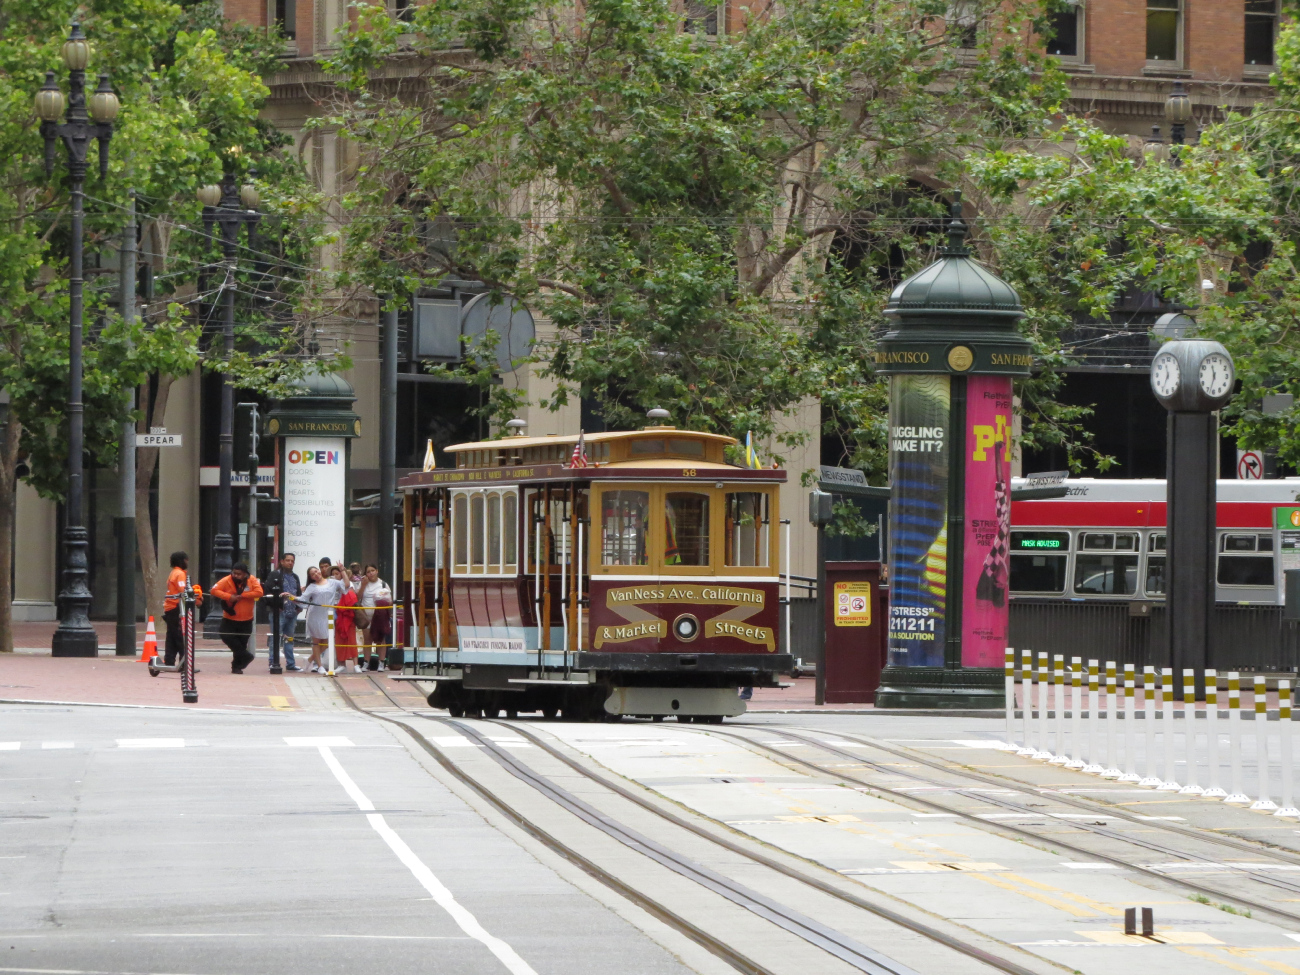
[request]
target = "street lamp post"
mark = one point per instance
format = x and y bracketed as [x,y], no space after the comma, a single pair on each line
[229,206]
[75,636]
[1178,112]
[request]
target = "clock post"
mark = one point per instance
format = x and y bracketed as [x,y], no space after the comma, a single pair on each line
[951,356]
[1192,379]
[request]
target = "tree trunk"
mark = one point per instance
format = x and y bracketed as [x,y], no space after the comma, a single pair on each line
[8,509]
[155,582]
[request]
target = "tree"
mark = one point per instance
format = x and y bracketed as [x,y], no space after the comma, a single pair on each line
[189,94]
[711,223]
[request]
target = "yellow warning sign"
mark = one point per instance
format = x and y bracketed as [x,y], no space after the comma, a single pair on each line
[852,604]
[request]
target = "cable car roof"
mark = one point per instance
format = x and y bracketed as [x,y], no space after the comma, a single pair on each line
[572,439]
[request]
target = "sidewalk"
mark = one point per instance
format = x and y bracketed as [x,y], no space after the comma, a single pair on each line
[39,636]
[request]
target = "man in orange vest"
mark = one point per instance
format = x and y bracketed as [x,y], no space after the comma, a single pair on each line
[238,593]
[172,606]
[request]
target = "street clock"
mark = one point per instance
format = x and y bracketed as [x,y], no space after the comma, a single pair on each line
[1192,376]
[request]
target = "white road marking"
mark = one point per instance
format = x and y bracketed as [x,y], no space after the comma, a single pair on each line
[10,746]
[151,743]
[58,744]
[1091,866]
[453,741]
[329,741]
[292,934]
[1000,746]
[444,898]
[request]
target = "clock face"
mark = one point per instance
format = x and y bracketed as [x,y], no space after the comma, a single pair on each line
[1165,376]
[1215,375]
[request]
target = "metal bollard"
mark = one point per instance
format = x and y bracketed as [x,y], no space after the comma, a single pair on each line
[1263,803]
[1130,759]
[1189,733]
[1112,716]
[1093,767]
[1170,782]
[1238,796]
[1027,700]
[1060,757]
[1009,679]
[1044,682]
[1284,743]
[1076,737]
[330,618]
[1215,791]
[1149,715]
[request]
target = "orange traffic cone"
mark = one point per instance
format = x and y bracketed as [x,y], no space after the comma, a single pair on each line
[150,649]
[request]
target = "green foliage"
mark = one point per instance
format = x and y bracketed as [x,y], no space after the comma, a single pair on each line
[708,224]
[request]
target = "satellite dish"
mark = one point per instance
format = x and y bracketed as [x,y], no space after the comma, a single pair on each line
[508,318]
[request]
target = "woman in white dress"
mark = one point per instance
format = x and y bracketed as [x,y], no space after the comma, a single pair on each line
[318,594]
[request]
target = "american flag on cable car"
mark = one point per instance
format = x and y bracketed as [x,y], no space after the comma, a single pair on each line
[579,457]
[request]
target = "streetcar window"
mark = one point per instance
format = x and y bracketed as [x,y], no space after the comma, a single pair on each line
[747,525]
[1156,574]
[1038,573]
[624,525]
[1237,543]
[1246,570]
[460,532]
[510,522]
[1265,543]
[646,447]
[1097,540]
[1156,543]
[1040,542]
[476,538]
[494,532]
[686,517]
[691,448]
[1105,575]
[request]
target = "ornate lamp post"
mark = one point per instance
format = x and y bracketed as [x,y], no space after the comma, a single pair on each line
[228,206]
[1178,112]
[75,636]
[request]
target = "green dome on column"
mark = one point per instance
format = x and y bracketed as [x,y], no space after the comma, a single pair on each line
[317,404]
[955,316]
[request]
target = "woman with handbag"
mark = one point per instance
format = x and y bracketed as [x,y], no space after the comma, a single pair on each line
[374,616]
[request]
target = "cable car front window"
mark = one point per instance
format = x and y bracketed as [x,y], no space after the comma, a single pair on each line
[686,540]
[624,525]
[747,523]
[476,533]
[494,532]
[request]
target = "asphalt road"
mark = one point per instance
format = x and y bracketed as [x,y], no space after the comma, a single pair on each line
[145,840]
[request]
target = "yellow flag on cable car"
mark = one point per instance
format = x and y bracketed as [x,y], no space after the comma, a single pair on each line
[751,455]
[429,462]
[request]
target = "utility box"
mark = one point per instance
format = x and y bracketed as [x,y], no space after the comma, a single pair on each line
[856,622]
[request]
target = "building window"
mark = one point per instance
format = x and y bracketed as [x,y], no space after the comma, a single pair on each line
[1261,28]
[1066,41]
[1164,30]
[701,18]
[963,24]
[286,18]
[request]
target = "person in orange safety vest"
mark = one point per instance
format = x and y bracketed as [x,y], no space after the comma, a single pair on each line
[176,580]
[238,594]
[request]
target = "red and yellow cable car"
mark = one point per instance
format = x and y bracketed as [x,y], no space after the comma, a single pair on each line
[631,573]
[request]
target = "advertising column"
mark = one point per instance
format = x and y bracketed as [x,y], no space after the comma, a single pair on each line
[315,498]
[986,572]
[919,417]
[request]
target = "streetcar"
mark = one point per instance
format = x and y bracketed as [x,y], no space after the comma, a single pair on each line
[605,574]
[1106,541]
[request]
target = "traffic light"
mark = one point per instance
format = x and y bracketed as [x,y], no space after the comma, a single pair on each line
[247,436]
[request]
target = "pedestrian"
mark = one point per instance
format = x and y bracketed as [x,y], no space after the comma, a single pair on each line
[238,594]
[319,594]
[177,579]
[345,629]
[354,574]
[375,616]
[291,587]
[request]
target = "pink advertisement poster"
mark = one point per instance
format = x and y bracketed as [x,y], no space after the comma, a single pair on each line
[985,566]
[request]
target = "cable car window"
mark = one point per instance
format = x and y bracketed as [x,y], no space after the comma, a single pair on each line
[1246,570]
[476,533]
[1156,543]
[624,525]
[646,447]
[494,532]
[1040,541]
[686,517]
[460,533]
[691,448]
[1237,543]
[510,520]
[747,526]
[1156,574]
[1105,575]
[1038,573]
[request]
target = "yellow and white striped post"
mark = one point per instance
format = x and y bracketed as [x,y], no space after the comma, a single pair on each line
[1284,742]
[1044,684]
[1076,706]
[1027,700]
[1189,733]
[1149,717]
[1112,727]
[330,625]
[1238,795]
[1263,803]
[1214,791]
[1009,679]
[1059,757]
[1170,781]
[1094,716]
[1130,759]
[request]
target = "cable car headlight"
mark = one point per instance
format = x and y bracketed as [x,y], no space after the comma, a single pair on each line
[686,627]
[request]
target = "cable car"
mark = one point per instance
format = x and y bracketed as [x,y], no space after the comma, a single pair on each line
[623,573]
